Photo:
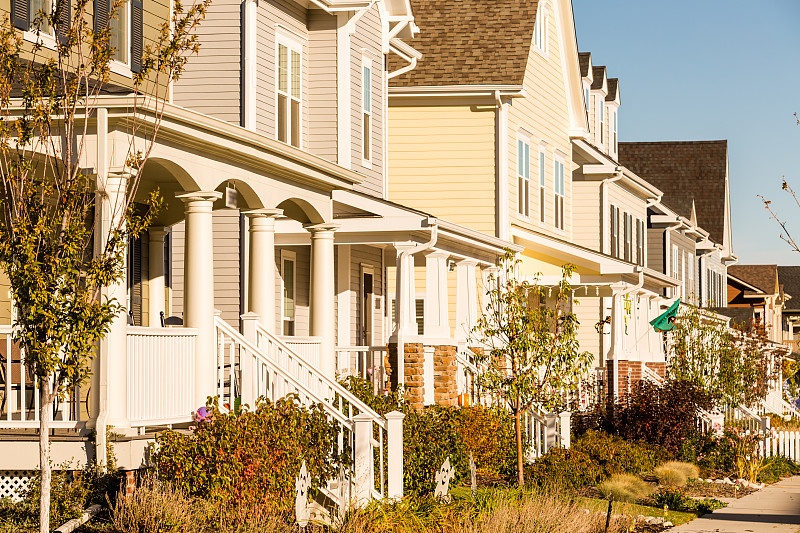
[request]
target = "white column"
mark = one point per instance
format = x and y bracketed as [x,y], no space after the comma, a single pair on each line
[405,309]
[261,265]
[114,347]
[394,460]
[437,323]
[617,328]
[157,293]
[198,287]
[364,461]
[323,294]
[466,299]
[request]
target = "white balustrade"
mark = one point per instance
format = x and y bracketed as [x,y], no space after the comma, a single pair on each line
[366,362]
[544,431]
[783,443]
[265,366]
[19,406]
[160,375]
[306,347]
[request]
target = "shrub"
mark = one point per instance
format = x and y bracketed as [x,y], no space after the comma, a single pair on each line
[619,456]
[250,457]
[776,468]
[672,497]
[70,493]
[158,506]
[676,473]
[429,437]
[489,435]
[624,488]
[564,468]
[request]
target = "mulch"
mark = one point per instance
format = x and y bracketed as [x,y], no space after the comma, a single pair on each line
[716,490]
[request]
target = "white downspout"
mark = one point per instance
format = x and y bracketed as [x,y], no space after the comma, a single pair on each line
[501,201]
[401,345]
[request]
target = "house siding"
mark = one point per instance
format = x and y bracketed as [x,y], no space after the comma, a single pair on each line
[586,214]
[322,90]
[302,285]
[442,161]
[211,83]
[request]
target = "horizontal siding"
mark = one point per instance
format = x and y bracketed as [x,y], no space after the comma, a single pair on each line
[586,214]
[588,311]
[211,83]
[371,256]
[453,180]
[322,91]
[302,284]
[655,249]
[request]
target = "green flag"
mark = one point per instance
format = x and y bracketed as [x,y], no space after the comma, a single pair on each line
[666,321]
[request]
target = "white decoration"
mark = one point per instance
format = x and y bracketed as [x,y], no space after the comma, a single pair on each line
[301,485]
[443,477]
[472,475]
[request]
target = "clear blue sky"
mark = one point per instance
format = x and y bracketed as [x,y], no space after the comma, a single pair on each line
[712,69]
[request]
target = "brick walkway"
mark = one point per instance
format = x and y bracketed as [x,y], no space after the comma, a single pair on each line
[774,509]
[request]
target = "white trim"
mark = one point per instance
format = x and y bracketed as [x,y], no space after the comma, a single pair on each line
[288,255]
[366,268]
[120,68]
[45,39]
[525,140]
[502,178]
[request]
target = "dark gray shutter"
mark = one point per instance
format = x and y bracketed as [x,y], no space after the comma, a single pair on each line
[137,40]
[64,19]
[135,252]
[21,14]
[101,10]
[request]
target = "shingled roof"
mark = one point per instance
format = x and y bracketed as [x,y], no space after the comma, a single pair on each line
[789,277]
[583,59]
[686,172]
[765,277]
[469,42]
[598,77]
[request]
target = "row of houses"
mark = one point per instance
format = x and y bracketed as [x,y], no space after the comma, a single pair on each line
[340,178]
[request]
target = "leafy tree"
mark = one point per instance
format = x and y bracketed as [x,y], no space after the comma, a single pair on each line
[531,352]
[733,364]
[56,260]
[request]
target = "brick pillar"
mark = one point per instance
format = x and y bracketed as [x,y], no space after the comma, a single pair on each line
[445,387]
[414,372]
[635,368]
[130,482]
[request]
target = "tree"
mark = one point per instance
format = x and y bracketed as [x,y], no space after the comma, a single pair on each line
[530,347]
[733,364]
[48,225]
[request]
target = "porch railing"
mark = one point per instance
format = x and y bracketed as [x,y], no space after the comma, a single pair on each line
[775,404]
[306,347]
[19,405]
[544,431]
[160,375]
[259,364]
[366,362]
[745,418]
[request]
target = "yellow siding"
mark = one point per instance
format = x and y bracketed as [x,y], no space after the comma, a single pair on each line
[441,161]
[543,116]
[586,215]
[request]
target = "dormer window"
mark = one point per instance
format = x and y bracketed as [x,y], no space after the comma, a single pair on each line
[540,33]
[615,132]
[586,97]
[602,117]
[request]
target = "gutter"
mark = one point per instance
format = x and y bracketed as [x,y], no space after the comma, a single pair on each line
[401,322]
[406,53]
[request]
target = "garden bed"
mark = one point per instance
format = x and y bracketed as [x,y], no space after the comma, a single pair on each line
[701,489]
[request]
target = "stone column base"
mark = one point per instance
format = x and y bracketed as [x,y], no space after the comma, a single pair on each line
[445,388]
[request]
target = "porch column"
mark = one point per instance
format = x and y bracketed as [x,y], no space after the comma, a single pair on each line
[155,283]
[437,323]
[114,348]
[323,294]
[261,278]
[617,329]
[466,298]
[405,308]
[198,287]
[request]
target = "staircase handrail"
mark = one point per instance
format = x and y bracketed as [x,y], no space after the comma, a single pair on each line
[332,384]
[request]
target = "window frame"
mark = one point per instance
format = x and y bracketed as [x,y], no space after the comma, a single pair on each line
[541,31]
[115,65]
[558,192]
[366,112]
[523,176]
[602,106]
[293,46]
[542,184]
[288,255]
[614,227]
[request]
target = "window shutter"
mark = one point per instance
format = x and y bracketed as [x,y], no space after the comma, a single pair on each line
[20,13]
[137,39]
[135,251]
[64,19]
[101,10]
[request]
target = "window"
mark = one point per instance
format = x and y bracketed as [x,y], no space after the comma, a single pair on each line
[542,194]
[640,236]
[676,260]
[586,97]
[524,177]
[366,110]
[540,30]
[289,75]
[614,139]
[125,31]
[602,106]
[419,314]
[689,274]
[35,10]
[558,179]
[614,231]
[118,27]
[288,304]
[627,219]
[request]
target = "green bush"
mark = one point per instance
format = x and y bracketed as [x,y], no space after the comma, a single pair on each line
[250,457]
[70,493]
[616,455]
[677,500]
[564,468]
[777,468]
[624,488]
[429,437]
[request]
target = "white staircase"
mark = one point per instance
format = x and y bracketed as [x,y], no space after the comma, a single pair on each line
[258,364]
[775,404]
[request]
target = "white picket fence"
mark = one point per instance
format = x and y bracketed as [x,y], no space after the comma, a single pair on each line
[783,443]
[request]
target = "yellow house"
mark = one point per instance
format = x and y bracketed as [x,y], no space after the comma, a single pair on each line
[502,126]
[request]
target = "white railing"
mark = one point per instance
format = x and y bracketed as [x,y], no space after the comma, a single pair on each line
[745,418]
[466,378]
[544,430]
[366,362]
[19,406]
[267,367]
[306,347]
[784,443]
[651,375]
[709,422]
[775,404]
[161,384]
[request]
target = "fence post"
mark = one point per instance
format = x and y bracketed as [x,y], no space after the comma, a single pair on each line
[566,428]
[363,459]
[550,428]
[766,423]
[394,459]
[247,360]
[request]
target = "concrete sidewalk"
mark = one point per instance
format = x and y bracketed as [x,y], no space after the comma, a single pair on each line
[774,509]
